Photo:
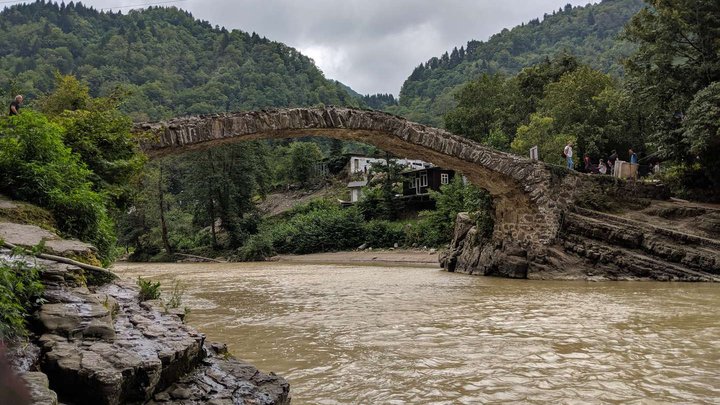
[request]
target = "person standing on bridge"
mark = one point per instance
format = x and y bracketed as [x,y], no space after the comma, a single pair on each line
[568,153]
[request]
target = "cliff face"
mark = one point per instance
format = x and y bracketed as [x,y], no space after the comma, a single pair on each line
[663,240]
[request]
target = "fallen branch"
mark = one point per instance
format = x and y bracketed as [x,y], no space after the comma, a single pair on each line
[207,259]
[65,260]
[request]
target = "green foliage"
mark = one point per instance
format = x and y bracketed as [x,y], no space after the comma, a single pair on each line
[137,52]
[541,132]
[678,55]
[482,105]
[176,295]
[378,201]
[689,181]
[325,228]
[379,233]
[588,32]
[257,248]
[20,291]
[303,157]
[149,290]
[36,166]
[702,131]
[436,227]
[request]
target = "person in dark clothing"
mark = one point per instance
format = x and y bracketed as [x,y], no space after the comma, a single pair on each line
[611,160]
[15,105]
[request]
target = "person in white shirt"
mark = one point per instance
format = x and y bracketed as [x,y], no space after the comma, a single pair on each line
[602,167]
[568,152]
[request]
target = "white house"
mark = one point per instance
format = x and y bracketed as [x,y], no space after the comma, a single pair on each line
[361,164]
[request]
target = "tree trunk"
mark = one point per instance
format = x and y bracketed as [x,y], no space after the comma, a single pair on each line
[163,225]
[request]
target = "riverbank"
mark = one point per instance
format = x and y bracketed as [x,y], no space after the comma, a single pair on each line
[94,340]
[414,257]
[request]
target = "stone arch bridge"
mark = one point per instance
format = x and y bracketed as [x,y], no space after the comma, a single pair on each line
[529,199]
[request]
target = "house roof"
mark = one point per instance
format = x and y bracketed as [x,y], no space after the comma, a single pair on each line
[355,184]
[425,170]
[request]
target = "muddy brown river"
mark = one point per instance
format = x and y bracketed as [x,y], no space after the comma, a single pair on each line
[353,334]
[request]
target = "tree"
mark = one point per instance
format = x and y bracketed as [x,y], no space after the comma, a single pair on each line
[678,55]
[97,131]
[303,158]
[483,106]
[702,130]
[573,103]
[541,132]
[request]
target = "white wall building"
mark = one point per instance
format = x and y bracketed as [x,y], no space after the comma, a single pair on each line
[362,164]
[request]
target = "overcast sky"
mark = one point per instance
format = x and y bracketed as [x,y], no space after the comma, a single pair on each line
[370,45]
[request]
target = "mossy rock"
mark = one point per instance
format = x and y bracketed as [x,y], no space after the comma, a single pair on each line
[28,214]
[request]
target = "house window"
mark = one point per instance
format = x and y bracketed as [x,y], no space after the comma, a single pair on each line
[423,179]
[412,182]
[444,178]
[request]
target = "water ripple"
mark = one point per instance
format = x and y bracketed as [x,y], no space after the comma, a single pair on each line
[396,335]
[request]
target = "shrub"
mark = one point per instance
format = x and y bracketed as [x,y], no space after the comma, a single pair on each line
[257,248]
[384,233]
[149,290]
[319,226]
[20,291]
[36,166]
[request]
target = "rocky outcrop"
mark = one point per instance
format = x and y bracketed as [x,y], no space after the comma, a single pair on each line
[591,246]
[223,380]
[29,236]
[39,388]
[101,345]
[472,253]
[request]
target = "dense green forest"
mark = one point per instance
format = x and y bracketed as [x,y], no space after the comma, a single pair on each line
[590,33]
[166,62]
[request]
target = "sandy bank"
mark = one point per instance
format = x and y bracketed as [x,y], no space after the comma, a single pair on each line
[395,257]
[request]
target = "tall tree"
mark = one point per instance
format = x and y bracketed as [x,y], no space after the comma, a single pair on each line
[678,55]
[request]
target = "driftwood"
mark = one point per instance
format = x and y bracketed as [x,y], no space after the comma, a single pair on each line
[105,272]
[207,259]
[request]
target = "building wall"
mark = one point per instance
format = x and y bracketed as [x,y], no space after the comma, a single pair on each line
[361,164]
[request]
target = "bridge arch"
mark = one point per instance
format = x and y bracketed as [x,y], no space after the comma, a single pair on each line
[528,203]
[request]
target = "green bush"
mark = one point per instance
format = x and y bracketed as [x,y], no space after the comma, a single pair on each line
[317,227]
[149,290]
[436,227]
[257,248]
[20,291]
[36,166]
[425,232]
[380,233]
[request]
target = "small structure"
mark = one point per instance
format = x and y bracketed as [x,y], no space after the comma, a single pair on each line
[534,153]
[625,170]
[356,190]
[420,182]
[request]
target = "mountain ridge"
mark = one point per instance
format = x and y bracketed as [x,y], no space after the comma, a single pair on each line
[588,32]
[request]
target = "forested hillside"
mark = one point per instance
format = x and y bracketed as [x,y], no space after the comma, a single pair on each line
[164,61]
[589,33]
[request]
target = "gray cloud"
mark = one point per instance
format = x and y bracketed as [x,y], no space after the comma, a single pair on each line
[370,45]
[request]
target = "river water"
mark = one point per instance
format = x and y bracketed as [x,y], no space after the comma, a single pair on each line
[352,334]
